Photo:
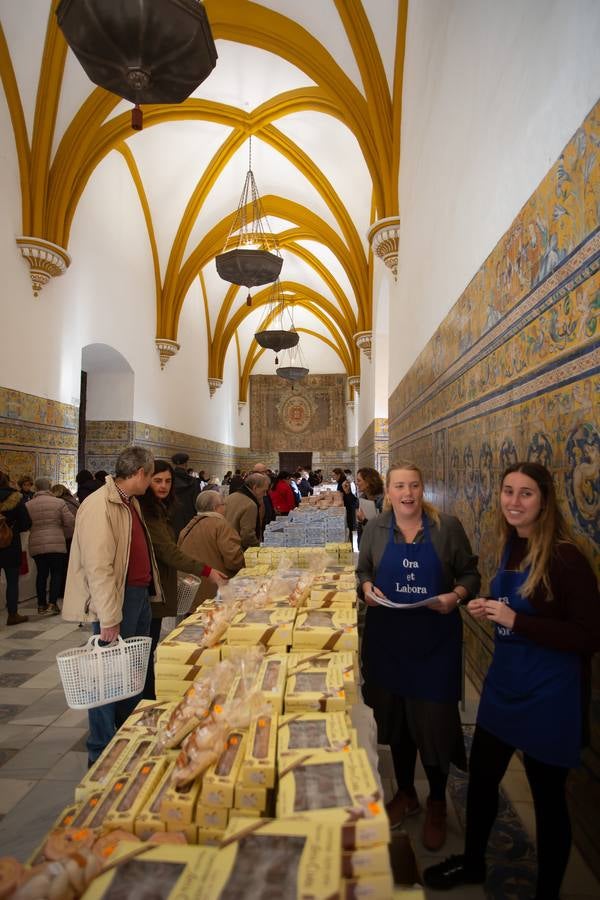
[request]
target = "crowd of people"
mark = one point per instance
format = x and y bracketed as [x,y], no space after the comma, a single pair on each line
[126,536]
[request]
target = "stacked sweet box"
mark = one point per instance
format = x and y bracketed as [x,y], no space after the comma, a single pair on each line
[266,627]
[326,629]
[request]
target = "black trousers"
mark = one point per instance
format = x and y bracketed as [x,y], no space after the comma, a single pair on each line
[488,762]
[52,564]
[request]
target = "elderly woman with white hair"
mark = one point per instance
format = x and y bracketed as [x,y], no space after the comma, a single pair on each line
[210,537]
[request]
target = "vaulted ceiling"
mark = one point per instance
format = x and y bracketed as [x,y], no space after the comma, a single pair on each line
[316,84]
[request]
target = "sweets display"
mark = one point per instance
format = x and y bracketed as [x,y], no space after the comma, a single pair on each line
[245,771]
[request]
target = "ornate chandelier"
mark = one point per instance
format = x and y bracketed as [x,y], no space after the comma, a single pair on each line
[251,255]
[147,51]
[281,338]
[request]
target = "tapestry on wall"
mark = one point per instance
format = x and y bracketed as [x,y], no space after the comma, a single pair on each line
[308,415]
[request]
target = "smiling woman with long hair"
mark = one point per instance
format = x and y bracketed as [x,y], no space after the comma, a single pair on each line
[545,607]
[156,505]
[411,658]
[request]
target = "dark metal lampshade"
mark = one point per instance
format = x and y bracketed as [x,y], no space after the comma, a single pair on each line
[147,51]
[249,267]
[277,340]
[291,373]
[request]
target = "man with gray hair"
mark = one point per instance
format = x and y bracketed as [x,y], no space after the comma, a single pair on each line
[113,574]
[242,509]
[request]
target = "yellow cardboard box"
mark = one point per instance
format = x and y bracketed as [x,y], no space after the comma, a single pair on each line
[326,629]
[136,793]
[302,733]
[266,627]
[301,857]
[219,780]
[259,764]
[338,788]
[318,690]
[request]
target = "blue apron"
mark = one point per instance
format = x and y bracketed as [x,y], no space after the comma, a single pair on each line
[531,697]
[413,653]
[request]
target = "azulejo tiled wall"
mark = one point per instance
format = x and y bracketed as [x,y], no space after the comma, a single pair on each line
[38,437]
[106,439]
[512,374]
[373,446]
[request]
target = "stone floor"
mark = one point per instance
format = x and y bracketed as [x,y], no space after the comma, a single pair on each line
[43,755]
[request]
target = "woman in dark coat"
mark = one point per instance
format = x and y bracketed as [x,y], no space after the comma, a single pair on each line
[12,507]
[156,504]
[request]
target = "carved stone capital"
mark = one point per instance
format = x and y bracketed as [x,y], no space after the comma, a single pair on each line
[241,406]
[364,340]
[166,349]
[213,384]
[354,382]
[350,405]
[46,260]
[384,238]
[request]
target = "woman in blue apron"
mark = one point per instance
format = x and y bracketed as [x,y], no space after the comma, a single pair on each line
[411,657]
[546,613]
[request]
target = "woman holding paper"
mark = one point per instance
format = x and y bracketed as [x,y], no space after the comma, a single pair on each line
[546,614]
[411,658]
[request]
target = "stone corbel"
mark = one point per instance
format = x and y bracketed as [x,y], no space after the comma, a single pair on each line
[166,349]
[213,384]
[384,238]
[354,382]
[364,341]
[46,260]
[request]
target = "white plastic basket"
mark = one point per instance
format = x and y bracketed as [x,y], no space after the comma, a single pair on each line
[187,588]
[93,675]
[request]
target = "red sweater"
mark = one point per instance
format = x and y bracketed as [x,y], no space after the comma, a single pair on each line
[282,498]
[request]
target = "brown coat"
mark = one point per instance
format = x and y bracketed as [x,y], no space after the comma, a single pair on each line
[242,512]
[210,537]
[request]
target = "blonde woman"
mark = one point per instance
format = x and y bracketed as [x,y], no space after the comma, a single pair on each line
[545,607]
[411,658]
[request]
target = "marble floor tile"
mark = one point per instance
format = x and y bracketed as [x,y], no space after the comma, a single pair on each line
[579,880]
[6,753]
[27,696]
[72,718]
[43,711]
[19,633]
[12,792]
[30,820]
[9,710]
[41,754]
[59,631]
[13,679]
[30,666]
[48,677]
[15,655]
[73,764]
[516,786]
[18,736]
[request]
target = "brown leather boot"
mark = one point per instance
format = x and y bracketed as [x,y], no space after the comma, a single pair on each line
[16,619]
[434,829]
[403,804]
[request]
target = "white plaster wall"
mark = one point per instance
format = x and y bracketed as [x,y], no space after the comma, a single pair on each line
[110,396]
[492,93]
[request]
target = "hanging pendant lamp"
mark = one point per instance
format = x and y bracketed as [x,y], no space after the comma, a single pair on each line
[251,255]
[147,51]
[295,370]
[281,338]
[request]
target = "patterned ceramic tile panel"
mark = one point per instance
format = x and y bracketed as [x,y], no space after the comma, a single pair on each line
[512,373]
[373,446]
[37,436]
[106,439]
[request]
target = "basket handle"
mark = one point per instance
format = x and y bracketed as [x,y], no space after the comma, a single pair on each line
[94,641]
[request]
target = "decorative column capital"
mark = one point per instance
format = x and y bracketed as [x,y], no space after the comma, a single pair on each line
[46,260]
[354,382]
[384,238]
[213,384]
[166,349]
[350,404]
[364,341]
[241,406]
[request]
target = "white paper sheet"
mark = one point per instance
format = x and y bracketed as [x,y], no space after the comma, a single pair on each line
[383,601]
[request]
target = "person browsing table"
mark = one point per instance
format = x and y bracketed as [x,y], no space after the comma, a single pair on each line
[411,658]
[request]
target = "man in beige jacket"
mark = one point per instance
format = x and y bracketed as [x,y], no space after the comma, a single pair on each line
[113,574]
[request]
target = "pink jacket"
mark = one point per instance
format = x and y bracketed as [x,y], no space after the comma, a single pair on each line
[52,522]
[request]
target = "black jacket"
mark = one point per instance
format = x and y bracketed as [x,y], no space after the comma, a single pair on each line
[13,509]
[187,489]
